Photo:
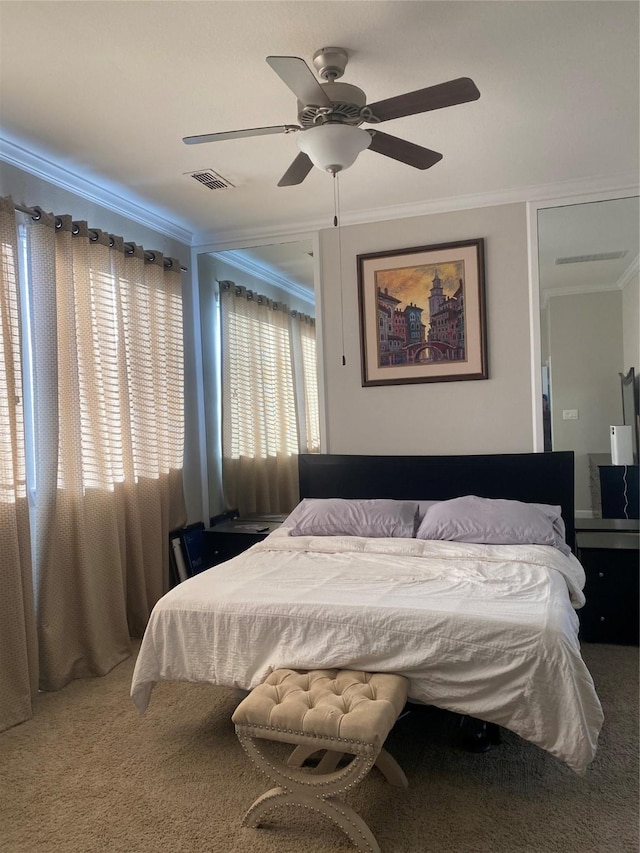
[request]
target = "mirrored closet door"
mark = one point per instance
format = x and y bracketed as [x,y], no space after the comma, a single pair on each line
[589,329]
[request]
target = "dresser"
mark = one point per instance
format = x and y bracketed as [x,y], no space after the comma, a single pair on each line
[608,550]
[231,537]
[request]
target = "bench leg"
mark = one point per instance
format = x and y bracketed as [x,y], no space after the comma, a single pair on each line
[391,770]
[327,763]
[479,736]
[315,791]
[385,763]
[300,755]
[348,820]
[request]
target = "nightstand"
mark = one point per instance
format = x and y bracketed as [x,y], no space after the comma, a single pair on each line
[230,538]
[608,550]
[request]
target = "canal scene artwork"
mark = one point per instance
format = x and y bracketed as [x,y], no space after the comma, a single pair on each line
[422,314]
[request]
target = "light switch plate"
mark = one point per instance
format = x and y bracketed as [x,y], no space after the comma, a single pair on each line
[569,414]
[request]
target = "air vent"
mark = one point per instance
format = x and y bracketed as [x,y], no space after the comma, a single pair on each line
[583,259]
[211,179]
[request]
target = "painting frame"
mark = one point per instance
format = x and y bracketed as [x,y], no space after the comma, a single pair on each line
[397,347]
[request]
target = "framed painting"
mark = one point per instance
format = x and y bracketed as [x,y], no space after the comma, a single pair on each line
[422,314]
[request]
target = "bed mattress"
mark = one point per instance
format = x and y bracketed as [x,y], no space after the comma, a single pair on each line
[485,630]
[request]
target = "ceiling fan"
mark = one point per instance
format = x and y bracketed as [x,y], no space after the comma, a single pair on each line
[330,115]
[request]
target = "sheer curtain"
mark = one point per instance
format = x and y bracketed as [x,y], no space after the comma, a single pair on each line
[268,410]
[107,374]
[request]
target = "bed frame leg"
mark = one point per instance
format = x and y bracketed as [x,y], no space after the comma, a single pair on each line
[478,735]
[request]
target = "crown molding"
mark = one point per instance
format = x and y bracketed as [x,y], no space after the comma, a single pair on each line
[570,192]
[13,153]
[578,290]
[266,273]
[39,165]
[625,279]
[219,241]
[629,274]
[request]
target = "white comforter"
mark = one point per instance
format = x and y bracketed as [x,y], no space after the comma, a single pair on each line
[484,630]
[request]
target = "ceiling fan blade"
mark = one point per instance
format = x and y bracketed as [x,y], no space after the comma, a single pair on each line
[297,171]
[300,79]
[421,101]
[237,134]
[400,149]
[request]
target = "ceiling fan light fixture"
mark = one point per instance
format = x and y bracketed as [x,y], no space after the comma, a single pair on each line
[330,114]
[333,147]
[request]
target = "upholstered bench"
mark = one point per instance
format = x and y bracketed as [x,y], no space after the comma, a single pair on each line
[335,712]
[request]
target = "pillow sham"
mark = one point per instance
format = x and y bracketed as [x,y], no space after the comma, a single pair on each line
[342,517]
[494,521]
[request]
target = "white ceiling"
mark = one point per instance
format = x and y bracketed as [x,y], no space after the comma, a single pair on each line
[582,234]
[107,90]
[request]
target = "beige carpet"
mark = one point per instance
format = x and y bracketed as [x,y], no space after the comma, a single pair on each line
[89,774]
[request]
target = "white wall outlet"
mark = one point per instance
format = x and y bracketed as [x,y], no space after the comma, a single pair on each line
[569,414]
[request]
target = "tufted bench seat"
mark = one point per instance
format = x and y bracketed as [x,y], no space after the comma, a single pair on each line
[333,712]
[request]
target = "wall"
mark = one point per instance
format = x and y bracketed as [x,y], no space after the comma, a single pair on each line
[30,190]
[631,325]
[586,343]
[481,416]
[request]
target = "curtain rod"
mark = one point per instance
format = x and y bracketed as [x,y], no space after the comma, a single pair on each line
[250,295]
[35,214]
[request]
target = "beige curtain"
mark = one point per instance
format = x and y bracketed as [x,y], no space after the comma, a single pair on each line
[259,423]
[18,639]
[108,425]
[107,368]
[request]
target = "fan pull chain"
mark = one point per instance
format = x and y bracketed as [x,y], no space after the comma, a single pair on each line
[336,224]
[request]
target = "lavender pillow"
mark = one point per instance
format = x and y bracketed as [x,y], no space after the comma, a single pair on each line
[423,507]
[494,522]
[341,517]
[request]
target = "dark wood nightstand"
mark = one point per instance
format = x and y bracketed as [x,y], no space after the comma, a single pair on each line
[230,538]
[608,550]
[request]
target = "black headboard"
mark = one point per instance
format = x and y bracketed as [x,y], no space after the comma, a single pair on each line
[532,477]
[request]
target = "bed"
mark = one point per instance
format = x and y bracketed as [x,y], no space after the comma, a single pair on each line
[484,629]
